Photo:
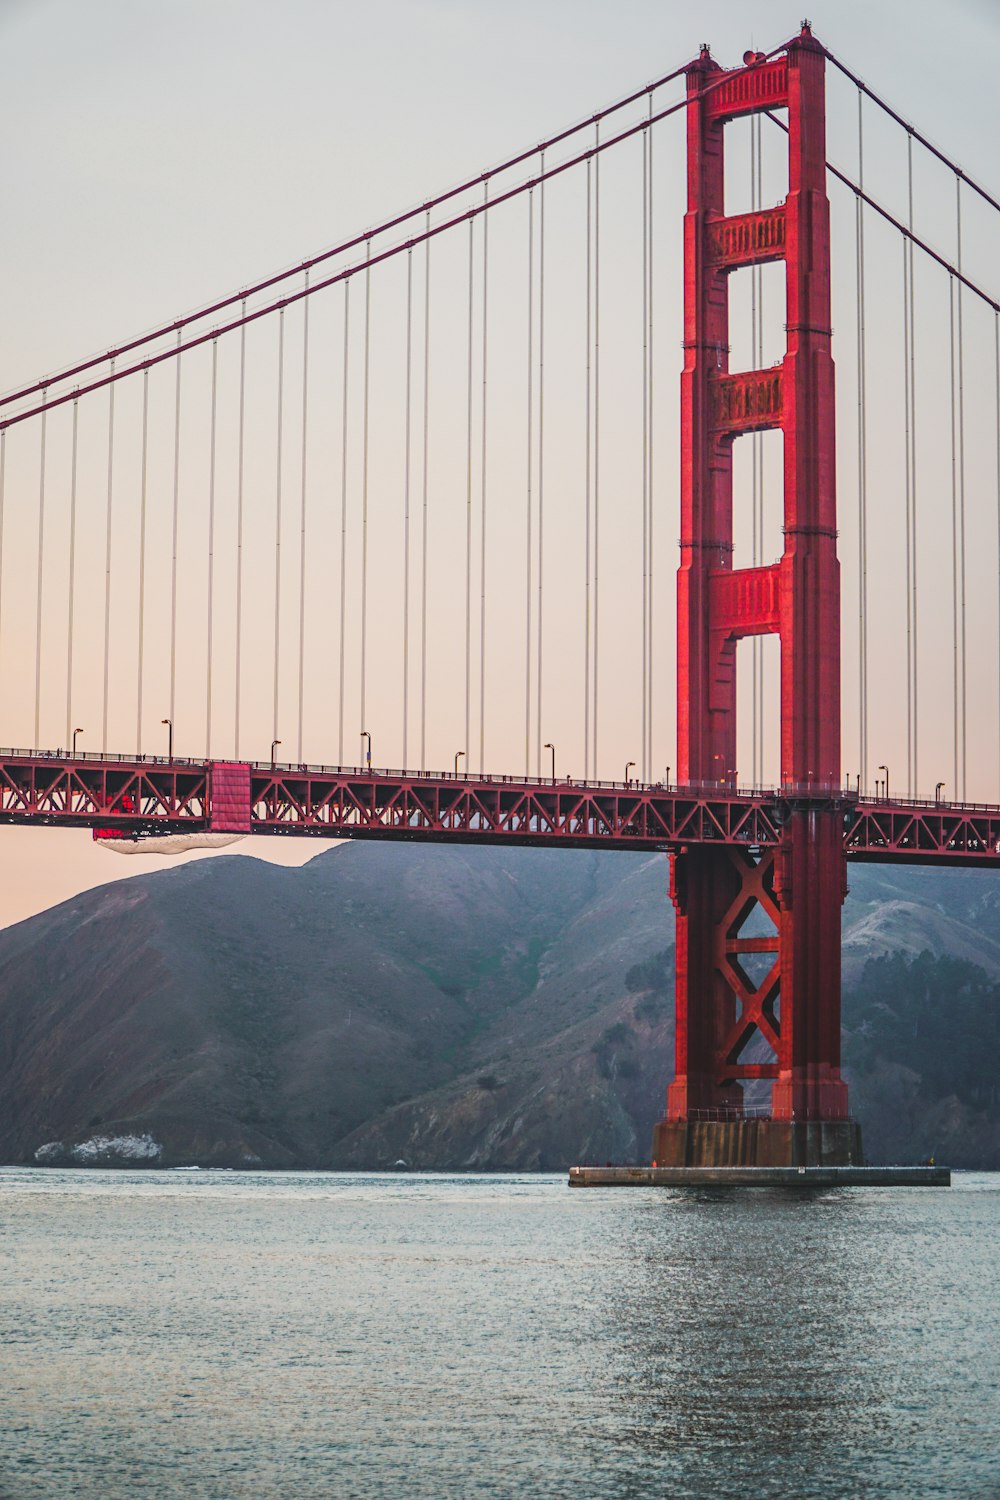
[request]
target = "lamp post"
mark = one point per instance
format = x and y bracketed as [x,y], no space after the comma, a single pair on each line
[170,737]
[937,790]
[667,782]
[629,766]
[886,770]
[368,751]
[75,733]
[550,746]
[274,746]
[459,754]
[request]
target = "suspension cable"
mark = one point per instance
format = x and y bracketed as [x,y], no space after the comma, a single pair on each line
[862,465]
[996,377]
[38,607]
[213,416]
[468,498]
[586,486]
[72,564]
[528,482]
[3,490]
[961,489]
[423,500]
[908,529]
[406,505]
[481,179]
[278,495]
[482,509]
[303,498]
[364,504]
[913,486]
[141,630]
[755,357]
[650,428]
[911,130]
[541,464]
[343,518]
[240,457]
[597,430]
[173,543]
[956,782]
[645,452]
[107,570]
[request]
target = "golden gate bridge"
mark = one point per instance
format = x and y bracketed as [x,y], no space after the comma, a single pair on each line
[224,526]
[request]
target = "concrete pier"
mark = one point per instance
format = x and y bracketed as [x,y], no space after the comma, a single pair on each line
[789,1177]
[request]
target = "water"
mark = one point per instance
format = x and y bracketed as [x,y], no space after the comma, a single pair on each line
[210,1335]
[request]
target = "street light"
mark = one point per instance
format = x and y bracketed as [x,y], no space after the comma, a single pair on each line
[629,766]
[458,756]
[886,770]
[75,733]
[550,746]
[170,737]
[274,746]
[368,752]
[937,790]
[667,782]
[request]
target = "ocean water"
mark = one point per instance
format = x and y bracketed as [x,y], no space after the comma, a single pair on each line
[212,1334]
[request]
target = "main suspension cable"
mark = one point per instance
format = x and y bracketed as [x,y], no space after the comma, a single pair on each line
[481,179]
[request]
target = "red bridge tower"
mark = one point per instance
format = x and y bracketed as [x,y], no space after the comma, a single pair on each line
[792,1009]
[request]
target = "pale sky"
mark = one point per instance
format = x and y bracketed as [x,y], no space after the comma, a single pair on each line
[158,156]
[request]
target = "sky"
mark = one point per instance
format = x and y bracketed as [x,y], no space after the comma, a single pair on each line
[158,156]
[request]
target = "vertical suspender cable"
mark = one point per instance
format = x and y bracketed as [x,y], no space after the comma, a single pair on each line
[70,603]
[586,498]
[3,489]
[482,511]
[239,531]
[107,564]
[174,531]
[912,421]
[211,550]
[277,517]
[963,700]
[996,378]
[597,432]
[650,509]
[406,506]
[754,456]
[468,501]
[862,465]
[645,452]
[956,783]
[364,497]
[423,501]
[302,517]
[908,528]
[343,519]
[541,463]
[528,478]
[41,554]
[759,360]
[141,631]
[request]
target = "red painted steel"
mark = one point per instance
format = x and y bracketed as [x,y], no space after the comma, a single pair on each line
[800,885]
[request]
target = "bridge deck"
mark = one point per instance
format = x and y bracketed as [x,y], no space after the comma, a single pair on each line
[147,795]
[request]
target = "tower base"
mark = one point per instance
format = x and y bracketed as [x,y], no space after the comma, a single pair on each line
[757,1143]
